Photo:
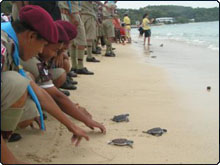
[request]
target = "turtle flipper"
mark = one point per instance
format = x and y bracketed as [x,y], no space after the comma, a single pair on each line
[164,130]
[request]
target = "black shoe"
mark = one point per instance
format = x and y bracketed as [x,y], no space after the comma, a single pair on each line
[92,59]
[96,52]
[84,71]
[113,54]
[113,48]
[71,81]
[72,74]
[109,55]
[73,70]
[14,137]
[67,93]
[68,86]
[99,48]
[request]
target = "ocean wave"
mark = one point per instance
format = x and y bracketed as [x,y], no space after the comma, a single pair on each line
[195,42]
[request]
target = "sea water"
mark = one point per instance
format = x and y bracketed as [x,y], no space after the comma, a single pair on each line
[204,34]
[190,52]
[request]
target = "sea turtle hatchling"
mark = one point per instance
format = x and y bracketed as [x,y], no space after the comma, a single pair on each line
[121,118]
[156,131]
[122,142]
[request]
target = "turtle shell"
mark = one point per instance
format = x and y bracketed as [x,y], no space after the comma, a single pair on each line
[122,142]
[121,118]
[156,131]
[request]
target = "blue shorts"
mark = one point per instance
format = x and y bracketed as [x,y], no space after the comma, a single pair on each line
[147,33]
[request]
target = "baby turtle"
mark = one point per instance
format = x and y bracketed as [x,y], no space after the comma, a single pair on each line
[156,131]
[121,118]
[122,142]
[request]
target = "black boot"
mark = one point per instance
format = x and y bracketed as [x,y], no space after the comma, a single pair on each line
[93,59]
[71,81]
[68,86]
[72,74]
[109,55]
[67,93]
[84,71]
[96,52]
[99,48]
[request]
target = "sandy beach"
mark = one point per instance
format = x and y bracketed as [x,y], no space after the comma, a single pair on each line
[155,94]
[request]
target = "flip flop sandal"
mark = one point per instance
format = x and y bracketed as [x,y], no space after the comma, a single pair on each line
[14,137]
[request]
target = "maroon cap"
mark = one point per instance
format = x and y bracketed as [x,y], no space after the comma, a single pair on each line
[41,21]
[69,28]
[63,36]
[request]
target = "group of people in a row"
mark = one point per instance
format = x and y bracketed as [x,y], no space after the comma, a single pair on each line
[42,48]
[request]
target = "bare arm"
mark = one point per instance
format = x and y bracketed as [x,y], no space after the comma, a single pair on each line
[71,109]
[51,107]
[6,156]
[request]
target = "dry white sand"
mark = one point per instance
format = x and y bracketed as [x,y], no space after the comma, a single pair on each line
[126,85]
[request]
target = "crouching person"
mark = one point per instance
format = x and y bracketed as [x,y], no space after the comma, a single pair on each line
[25,39]
[17,109]
[39,68]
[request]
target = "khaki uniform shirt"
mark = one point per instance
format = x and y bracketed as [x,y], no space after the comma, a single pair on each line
[87,8]
[7,49]
[40,70]
[107,13]
[75,6]
[64,5]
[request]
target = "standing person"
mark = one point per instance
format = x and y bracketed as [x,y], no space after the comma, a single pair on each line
[117,26]
[122,33]
[146,28]
[70,11]
[140,28]
[108,27]
[89,19]
[127,22]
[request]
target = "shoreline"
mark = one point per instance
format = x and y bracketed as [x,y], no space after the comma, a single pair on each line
[148,93]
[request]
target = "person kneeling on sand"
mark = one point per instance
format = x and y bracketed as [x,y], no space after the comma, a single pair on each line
[30,37]
[37,66]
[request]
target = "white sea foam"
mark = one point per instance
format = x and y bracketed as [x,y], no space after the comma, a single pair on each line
[198,34]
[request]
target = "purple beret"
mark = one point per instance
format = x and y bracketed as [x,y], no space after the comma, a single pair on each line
[69,28]
[41,21]
[63,36]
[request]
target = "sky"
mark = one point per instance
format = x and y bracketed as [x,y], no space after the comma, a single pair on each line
[139,4]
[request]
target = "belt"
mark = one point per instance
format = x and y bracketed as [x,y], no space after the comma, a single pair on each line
[128,24]
[87,14]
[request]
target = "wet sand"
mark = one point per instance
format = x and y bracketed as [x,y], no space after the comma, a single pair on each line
[134,83]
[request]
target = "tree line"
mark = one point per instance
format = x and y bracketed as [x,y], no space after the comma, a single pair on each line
[179,13]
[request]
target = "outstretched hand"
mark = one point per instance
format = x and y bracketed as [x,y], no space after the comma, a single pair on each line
[78,134]
[93,124]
